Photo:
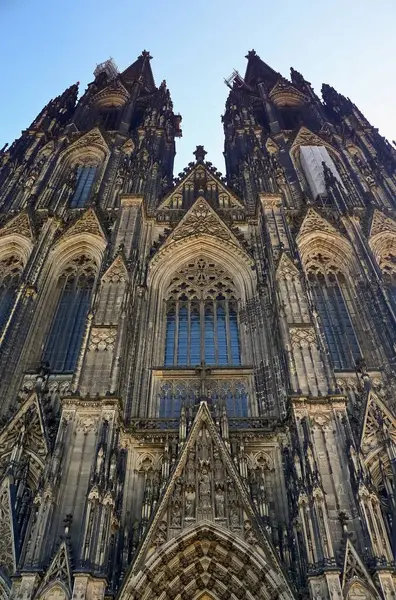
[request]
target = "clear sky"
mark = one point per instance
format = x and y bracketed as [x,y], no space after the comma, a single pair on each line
[47,45]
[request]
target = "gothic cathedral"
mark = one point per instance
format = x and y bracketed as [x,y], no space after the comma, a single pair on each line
[197,373]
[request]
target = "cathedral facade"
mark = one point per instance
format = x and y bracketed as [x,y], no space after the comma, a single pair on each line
[197,373]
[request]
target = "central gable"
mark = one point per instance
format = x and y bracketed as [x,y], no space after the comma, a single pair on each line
[203,180]
[202,220]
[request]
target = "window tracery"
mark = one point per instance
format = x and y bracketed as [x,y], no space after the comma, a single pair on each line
[336,308]
[201,317]
[10,274]
[64,339]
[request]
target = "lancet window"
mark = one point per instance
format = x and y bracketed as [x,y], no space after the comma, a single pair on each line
[337,311]
[85,177]
[388,267]
[67,328]
[202,317]
[10,274]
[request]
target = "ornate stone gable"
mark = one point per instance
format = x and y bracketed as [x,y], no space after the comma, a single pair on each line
[305,137]
[378,421]
[87,223]
[202,179]
[286,268]
[59,570]
[201,219]
[28,431]
[380,223]
[117,271]
[205,487]
[94,139]
[313,221]
[354,567]
[7,534]
[19,225]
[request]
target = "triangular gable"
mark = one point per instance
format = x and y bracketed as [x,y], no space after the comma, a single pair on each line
[20,225]
[201,219]
[354,567]
[93,138]
[87,223]
[117,271]
[59,570]
[305,137]
[286,269]
[314,221]
[29,421]
[381,223]
[8,556]
[200,171]
[376,416]
[205,486]
[141,68]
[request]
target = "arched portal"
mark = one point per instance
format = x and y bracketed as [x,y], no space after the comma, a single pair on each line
[206,562]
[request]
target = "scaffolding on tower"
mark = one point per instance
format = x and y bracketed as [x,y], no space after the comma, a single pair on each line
[109,67]
[235,79]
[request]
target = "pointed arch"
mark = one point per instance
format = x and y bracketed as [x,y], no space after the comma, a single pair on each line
[205,557]
[79,169]
[55,590]
[332,271]
[228,256]
[309,179]
[67,280]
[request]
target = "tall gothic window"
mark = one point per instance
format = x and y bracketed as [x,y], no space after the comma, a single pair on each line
[201,318]
[388,268]
[336,310]
[64,339]
[10,273]
[85,177]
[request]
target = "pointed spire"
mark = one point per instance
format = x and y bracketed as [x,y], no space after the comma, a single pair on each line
[258,71]
[140,71]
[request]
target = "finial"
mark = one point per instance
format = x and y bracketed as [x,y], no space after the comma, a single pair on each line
[146,54]
[200,154]
[251,54]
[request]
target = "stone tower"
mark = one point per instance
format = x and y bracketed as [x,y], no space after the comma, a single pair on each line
[198,374]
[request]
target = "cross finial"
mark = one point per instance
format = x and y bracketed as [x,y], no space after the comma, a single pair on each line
[200,154]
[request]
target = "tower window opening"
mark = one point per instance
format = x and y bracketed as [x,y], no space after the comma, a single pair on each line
[85,179]
[336,309]
[65,336]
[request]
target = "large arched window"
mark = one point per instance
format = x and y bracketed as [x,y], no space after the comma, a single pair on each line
[10,274]
[201,317]
[85,177]
[67,328]
[336,308]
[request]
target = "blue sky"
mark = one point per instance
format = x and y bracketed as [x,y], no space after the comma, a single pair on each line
[47,45]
